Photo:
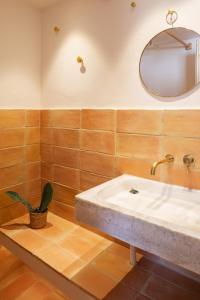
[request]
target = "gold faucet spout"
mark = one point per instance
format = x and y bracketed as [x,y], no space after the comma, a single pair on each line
[168,159]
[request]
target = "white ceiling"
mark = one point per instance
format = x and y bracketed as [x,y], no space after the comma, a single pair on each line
[42,3]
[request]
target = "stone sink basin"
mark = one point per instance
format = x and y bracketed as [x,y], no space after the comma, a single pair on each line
[159,218]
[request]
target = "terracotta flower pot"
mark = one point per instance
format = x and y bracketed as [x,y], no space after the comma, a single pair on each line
[38,220]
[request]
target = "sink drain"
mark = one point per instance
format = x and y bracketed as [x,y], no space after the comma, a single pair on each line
[133,191]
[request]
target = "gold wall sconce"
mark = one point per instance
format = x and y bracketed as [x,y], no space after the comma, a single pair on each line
[80,61]
[56,29]
[133,4]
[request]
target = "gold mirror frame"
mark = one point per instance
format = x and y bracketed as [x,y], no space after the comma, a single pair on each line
[150,91]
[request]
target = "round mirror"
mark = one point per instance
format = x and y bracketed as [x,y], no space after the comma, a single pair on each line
[170,63]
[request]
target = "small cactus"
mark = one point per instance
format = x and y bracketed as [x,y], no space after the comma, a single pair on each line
[47,197]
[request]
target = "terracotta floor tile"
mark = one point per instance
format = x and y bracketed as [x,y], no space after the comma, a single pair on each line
[17,287]
[177,278]
[61,223]
[12,276]
[12,262]
[146,264]
[11,229]
[55,296]
[141,297]
[57,258]
[113,265]
[16,225]
[52,232]
[80,242]
[36,292]
[136,279]
[121,292]
[160,289]
[94,282]
[30,240]
[74,268]
[96,250]
[119,250]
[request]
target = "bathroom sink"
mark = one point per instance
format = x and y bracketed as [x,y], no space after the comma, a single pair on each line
[159,218]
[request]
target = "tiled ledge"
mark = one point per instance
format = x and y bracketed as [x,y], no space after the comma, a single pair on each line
[71,257]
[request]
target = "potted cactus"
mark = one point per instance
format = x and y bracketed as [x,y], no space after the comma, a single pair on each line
[38,216]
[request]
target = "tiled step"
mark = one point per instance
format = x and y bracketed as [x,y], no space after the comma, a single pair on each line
[80,263]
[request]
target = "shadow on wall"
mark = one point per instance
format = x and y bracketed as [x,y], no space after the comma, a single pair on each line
[108,31]
[107,24]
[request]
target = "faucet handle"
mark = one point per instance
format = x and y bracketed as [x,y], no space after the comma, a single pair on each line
[169,158]
[188,161]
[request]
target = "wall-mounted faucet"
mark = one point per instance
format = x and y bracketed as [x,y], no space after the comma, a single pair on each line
[168,159]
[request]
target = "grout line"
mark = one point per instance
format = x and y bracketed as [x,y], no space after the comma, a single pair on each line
[142,290]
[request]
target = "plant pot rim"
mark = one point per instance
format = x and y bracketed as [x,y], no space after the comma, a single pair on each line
[38,212]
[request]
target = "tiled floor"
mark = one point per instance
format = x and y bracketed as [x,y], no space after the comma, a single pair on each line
[98,265]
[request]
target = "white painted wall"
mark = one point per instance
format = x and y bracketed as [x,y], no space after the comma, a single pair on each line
[110,36]
[20,55]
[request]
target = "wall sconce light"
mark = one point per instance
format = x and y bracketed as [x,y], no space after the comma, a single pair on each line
[81,62]
[133,4]
[56,29]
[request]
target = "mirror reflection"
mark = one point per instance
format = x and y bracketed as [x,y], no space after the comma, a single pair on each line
[169,64]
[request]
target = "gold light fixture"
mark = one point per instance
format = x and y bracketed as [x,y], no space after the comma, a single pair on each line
[56,29]
[133,4]
[79,60]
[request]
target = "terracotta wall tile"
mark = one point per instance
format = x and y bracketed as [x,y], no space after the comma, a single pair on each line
[66,138]
[32,135]
[11,156]
[11,176]
[136,167]
[179,146]
[99,119]
[46,136]
[11,212]
[32,171]
[67,176]
[182,123]
[12,137]
[139,146]
[5,200]
[88,180]
[33,189]
[12,118]
[15,173]
[46,153]
[98,141]
[61,118]
[33,118]
[139,121]
[64,194]
[66,157]
[63,210]
[47,171]
[97,163]
[45,118]
[32,153]
[179,175]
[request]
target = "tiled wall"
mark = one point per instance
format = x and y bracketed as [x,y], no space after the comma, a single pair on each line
[83,148]
[19,159]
